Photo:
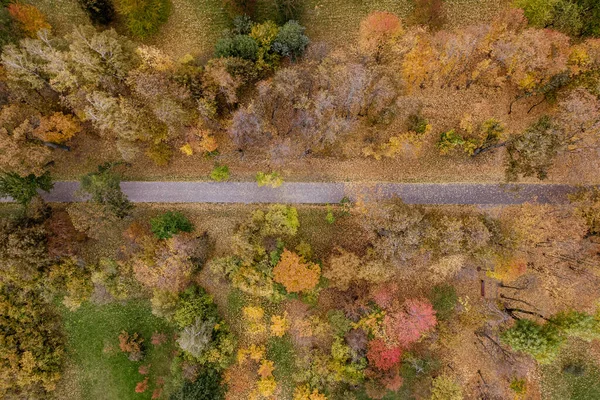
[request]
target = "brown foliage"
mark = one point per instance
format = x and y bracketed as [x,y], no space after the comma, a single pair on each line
[132,345]
[57,128]
[63,238]
[30,17]
[296,274]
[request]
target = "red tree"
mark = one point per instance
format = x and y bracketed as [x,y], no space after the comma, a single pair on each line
[383,357]
[378,29]
[408,324]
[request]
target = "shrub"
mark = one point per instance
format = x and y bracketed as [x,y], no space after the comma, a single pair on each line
[240,8]
[170,223]
[132,345]
[100,11]
[24,189]
[273,179]
[220,173]
[160,153]
[444,388]
[207,386]
[291,40]
[430,13]
[242,46]
[288,10]
[143,17]
[417,123]
[30,17]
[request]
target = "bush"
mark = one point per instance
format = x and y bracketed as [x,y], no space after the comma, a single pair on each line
[417,123]
[100,12]
[143,17]
[288,10]
[273,179]
[220,173]
[206,387]
[291,40]
[241,46]
[430,13]
[170,223]
[240,8]
[444,388]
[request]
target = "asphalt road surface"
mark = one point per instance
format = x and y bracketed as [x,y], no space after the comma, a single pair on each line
[323,193]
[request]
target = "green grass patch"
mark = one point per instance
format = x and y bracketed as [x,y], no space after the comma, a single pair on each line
[103,371]
[280,350]
[574,375]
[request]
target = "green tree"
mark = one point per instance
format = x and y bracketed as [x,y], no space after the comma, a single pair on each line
[291,40]
[104,187]
[242,46]
[170,223]
[540,341]
[143,17]
[207,386]
[24,189]
[533,151]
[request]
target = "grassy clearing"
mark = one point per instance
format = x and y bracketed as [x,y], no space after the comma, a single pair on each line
[63,15]
[193,28]
[102,371]
[281,351]
[574,375]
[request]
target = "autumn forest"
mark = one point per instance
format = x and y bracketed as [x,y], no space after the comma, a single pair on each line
[105,294]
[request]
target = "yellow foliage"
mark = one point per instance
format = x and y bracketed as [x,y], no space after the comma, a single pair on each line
[303,393]
[266,369]
[266,386]
[508,270]
[253,313]
[256,353]
[279,325]
[371,323]
[296,274]
[154,58]
[187,149]
[57,128]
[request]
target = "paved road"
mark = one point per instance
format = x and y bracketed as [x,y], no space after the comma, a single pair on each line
[321,193]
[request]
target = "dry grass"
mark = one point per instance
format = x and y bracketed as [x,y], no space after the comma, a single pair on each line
[63,15]
[193,28]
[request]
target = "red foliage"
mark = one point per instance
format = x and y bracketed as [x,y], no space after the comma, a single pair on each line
[142,386]
[383,295]
[383,357]
[392,381]
[157,393]
[144,369]
[376,30]
[159,338]
[408,324]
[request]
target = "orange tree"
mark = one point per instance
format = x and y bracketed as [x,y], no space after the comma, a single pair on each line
[297,275]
